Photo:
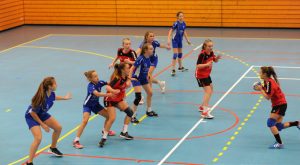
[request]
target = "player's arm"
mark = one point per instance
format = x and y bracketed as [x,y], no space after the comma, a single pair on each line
[186,37]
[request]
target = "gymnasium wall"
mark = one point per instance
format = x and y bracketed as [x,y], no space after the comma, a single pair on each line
[11,14]
[213,13]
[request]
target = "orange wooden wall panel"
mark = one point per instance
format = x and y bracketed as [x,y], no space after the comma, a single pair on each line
[215,13]
[11,14]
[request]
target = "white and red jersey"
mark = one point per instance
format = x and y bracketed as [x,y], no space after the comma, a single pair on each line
[204,58]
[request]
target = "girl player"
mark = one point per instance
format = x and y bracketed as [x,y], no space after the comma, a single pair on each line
[179,27]
[271,90]
[119,81]
[140,78]
[37,116]
[149,38]
[125,54]
[91,104]
[203,70]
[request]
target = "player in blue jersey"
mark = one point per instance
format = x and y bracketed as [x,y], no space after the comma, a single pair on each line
[37,116]
[140,78]
[149,38]
[91,104]
[179,31]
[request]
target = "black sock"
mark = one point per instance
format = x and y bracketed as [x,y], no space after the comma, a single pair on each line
[278,139]
[294,123]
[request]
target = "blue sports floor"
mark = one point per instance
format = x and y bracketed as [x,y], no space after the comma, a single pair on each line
[237,135]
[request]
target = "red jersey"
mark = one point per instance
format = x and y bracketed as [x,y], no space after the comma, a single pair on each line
[274,92]
[131,55]
[204,58]
[118,84]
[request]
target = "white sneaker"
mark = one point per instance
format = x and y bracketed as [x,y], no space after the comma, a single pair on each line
[162,86]
[142,101]
[207,115]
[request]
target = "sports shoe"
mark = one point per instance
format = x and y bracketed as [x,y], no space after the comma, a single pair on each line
[102,142]
[29,163]
[110,133]
[162,86]
[77,145]
[151,114]
[126,136]
[276,145]
[201,108]
[142,101]
[55,152]
[207,115]
[135,120]
[173,73]
[183,69]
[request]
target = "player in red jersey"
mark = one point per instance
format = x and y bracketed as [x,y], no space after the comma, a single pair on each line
[125,54]
[203,70]
[271,91]
[119,81]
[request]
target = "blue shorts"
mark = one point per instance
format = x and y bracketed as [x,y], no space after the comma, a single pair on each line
[31,122]
[176,44]
[95,109]
[143,81]
[154,60]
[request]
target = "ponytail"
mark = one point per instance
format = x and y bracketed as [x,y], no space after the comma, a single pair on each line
[270,72]
[89,74]
[118,71]
[40,95]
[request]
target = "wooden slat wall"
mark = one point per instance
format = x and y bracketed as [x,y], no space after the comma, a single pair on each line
[11,14]
[80,12]
[215,13]
[261,13]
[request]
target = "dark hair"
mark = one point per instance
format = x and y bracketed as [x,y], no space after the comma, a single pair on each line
[269,71]
[205,43]
[118,71]
[145,47]
[39,98]
[178,13]
[88,74]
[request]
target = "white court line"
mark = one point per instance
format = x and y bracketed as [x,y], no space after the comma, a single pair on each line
[196,48]
[201,120]
[283,67]
[297,79]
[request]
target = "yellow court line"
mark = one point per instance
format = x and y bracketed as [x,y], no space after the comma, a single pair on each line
[74,129]
[68,49]
[8,49]
[167,36]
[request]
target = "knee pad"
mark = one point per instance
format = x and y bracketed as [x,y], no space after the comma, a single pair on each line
[175,56]
[271,122]
[128,112]
[279,126]
[138,98]
[179,55]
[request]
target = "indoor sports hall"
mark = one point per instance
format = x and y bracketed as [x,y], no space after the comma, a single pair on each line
[64,39]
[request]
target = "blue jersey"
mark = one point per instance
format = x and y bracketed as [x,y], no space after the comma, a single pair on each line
[42,109]
[155,44]
[179,28]
[91,99]
[142,65]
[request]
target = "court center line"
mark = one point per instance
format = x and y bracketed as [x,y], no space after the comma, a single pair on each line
[197,124]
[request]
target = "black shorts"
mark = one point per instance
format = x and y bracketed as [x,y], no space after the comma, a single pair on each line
[111,103]
[204,81]
[279,109]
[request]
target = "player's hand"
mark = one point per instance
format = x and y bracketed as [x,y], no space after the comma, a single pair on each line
[259,87]
[116,91]
[68,96]
[110,95]
[45,127]
[110,65]
[209,64]
[127,61]
[219,57]
[189,42]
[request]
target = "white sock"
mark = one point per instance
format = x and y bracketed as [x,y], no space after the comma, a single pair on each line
[125,128]
[205,108]
[77,139]
[149,109]
[105,135]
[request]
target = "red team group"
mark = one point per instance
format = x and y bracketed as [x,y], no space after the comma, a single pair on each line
[135,68]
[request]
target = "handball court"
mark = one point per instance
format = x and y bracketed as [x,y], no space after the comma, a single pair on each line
[237,135]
